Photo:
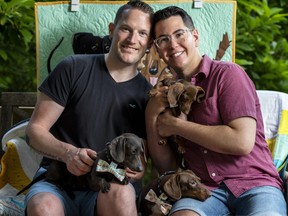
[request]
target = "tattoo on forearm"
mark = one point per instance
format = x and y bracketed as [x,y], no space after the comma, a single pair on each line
[41,152]
[48,155]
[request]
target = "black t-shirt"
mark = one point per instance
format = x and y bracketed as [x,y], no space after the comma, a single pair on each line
[97,109]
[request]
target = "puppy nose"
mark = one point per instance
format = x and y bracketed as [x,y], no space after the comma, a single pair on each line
[140,168]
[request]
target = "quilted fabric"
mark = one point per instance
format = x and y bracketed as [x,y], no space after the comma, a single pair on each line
[274,107]
[54,20]
[18,166]
[19,162]
[12,172]
[12,206]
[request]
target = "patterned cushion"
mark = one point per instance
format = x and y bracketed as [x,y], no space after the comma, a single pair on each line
[18,166]
[12,206]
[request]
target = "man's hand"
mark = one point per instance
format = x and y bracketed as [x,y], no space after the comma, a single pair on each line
[157,103]
[134,176]
[165,123]
[79,161]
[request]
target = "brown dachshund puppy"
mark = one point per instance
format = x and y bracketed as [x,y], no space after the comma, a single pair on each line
[157,197]
[123,151]
[181,94]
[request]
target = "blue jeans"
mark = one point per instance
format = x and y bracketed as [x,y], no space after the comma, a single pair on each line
[265,200]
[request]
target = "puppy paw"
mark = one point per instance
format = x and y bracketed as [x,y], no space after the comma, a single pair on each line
[105,188]
[126,181]
[152,92]
[181,149]
[162,142]
[104,185]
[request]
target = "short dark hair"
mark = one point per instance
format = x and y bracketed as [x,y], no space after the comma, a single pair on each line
[169,11]
[134,4]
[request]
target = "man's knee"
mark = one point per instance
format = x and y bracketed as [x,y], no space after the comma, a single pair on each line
[119,192]
[120,200]
[44,204]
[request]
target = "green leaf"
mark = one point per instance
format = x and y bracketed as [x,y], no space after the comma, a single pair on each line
[243,62]
[275,11]
[3,54]
[19,3]
[27,36]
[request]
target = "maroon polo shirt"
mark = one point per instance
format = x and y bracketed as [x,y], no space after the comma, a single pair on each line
[230,94]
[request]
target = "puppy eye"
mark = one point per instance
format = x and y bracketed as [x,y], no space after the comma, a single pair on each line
[193,184]
[133,150]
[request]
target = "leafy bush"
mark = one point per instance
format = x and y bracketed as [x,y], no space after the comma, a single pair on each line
[17,46]
[261,45]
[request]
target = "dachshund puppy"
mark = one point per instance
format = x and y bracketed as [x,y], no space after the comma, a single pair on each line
[123,151]
[157,197]
[126,150]
[181,94]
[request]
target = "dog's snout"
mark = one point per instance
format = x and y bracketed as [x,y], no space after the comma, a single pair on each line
[140,169]
[136,165]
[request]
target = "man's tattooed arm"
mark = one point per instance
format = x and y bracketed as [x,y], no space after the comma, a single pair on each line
[42,152]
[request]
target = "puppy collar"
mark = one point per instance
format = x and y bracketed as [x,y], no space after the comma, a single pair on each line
[107,153]
[159,187]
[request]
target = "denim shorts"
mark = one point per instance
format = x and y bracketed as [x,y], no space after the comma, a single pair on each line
[264,201]
[83,204]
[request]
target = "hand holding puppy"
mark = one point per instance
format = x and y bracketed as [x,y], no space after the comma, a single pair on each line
[79,161]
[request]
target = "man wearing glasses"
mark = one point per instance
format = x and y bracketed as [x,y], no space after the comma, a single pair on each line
[225,143]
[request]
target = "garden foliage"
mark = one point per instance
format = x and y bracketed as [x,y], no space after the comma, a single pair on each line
[261,42]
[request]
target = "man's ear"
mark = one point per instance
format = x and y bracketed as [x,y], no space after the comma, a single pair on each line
[111,29]
[196,36]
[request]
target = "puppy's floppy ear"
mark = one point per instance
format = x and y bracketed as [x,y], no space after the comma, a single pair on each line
[145,152]
[190,172]
[174,93]
[172,187]
[200,94]
[117,149]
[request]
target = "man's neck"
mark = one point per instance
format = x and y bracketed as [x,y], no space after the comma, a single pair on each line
[122,76]
[120,72]
[190,71]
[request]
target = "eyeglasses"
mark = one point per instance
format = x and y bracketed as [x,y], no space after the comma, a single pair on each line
[179,36]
